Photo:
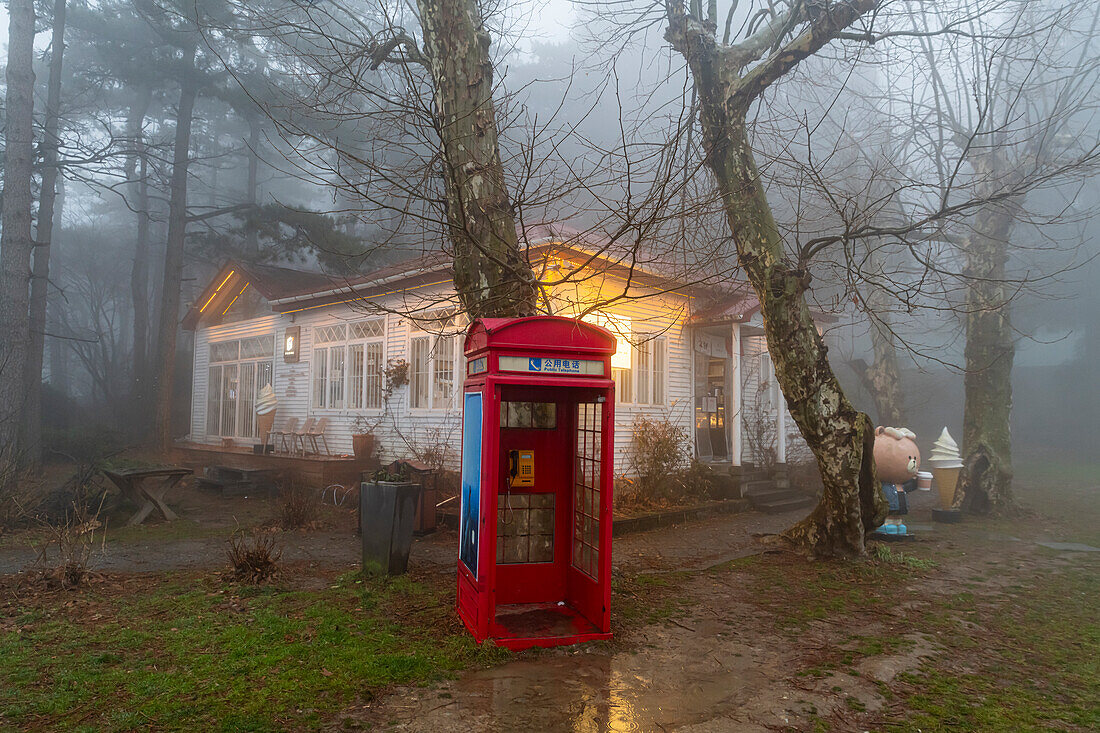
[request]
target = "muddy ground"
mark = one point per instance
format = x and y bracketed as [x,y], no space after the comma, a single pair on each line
[716,629]
[727,658]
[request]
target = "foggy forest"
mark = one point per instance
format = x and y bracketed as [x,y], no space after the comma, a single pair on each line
[801,220]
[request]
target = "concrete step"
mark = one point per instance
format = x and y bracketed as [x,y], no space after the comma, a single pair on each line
[784,505]
[751,488]
[772,494]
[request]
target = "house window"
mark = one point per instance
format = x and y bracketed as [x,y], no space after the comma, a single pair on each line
[432,372]
[238,370]
[624,385]
[434,361]
[650,357]
[347,365]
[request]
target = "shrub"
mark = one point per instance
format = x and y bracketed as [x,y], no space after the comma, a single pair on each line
[298,505]
[659,449]
[697,480]
[253,559]
[72,536]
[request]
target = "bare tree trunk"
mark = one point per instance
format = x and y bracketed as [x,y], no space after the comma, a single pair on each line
[883,378]
[252,239]
[491,275]
[137,172]
[841,438]
[173,262]
[985,484]
[40,279]
[16,243]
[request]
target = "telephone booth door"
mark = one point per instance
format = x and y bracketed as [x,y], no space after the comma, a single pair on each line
[534,557]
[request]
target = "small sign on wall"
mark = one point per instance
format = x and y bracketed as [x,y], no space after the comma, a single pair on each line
[291,344]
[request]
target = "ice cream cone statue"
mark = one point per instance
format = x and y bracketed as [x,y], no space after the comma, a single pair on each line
[265,413]
[946,464]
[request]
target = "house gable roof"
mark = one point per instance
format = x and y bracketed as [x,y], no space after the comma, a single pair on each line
[288,290]
[235,277]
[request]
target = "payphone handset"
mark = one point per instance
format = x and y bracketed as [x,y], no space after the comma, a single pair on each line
[521,472]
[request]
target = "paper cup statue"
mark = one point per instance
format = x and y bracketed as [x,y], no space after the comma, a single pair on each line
[897,459]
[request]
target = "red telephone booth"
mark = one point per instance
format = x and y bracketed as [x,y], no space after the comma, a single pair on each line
[534,565]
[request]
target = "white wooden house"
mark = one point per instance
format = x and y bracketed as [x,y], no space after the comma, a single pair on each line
[334,348]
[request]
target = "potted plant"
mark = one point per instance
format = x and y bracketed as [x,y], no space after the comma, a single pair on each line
[364,445]
[387,509]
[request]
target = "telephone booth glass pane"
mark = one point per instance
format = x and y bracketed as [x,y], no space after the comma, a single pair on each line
[586,490]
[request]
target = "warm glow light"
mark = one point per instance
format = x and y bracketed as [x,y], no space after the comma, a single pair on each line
[620,327]
[234,299]
[217,290]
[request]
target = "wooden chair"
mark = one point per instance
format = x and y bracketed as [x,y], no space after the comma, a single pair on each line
[288,431]
[301,436]
[318,431]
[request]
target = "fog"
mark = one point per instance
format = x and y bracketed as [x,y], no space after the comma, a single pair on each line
[303,155]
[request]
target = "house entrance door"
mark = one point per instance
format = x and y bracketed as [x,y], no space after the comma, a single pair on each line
[713,369]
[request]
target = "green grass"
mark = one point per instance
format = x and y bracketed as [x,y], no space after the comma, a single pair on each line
[796,592]
[194,654]
[1037,665]
[649,598]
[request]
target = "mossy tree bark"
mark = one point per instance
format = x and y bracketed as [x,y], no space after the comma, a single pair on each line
[40,277]
[985,484]
[840,437]
[16,243]
[491,275]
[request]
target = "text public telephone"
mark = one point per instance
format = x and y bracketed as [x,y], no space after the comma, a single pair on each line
[521,468]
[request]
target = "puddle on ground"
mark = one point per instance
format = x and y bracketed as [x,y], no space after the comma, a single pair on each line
[694,681]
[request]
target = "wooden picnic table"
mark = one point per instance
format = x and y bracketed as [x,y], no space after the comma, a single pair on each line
[140,486]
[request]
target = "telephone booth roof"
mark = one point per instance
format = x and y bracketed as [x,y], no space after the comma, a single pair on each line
[543,333]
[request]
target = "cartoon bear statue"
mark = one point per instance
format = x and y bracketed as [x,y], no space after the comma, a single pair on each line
[897,460]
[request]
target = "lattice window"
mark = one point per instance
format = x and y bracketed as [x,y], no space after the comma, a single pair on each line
[258,347]
[375,328]
[439,320]
[225,351]
[329,334]
[586,489]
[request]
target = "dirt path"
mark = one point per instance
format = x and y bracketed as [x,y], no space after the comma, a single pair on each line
[200,540]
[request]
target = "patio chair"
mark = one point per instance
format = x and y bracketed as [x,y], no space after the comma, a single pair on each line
[301,436]
[287,432]
[318,431]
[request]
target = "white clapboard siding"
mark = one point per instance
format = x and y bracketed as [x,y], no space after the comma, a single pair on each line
[405,433]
